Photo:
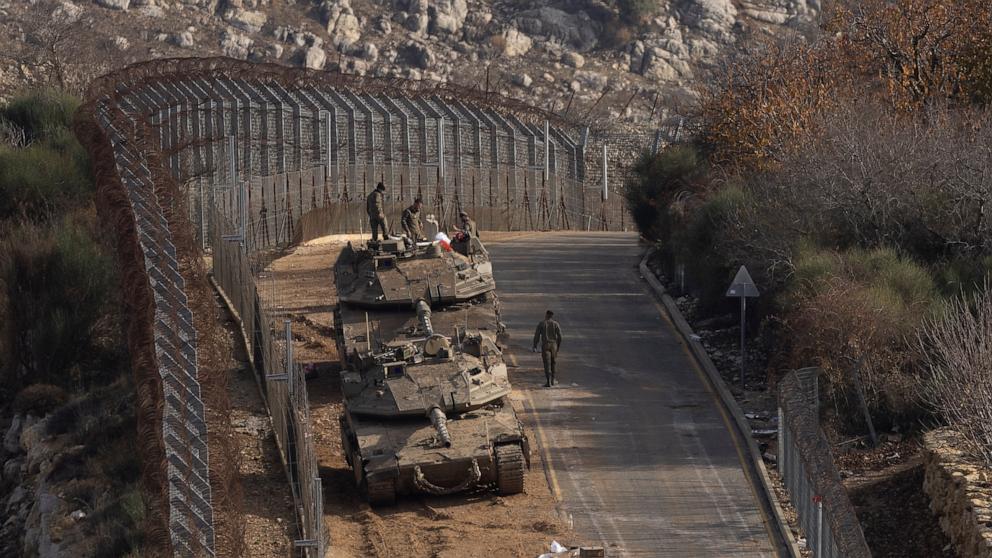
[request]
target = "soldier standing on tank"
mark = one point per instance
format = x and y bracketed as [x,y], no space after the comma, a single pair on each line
[375,205]
[411,221]
[548,334]
[468,226]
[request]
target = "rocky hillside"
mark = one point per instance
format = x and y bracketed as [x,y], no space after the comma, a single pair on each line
[559,54]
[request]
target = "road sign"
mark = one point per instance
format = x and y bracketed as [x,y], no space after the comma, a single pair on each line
[743,287]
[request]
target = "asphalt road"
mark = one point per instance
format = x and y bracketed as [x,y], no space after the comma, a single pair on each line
[639,453]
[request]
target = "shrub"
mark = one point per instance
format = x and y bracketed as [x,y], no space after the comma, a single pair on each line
[40,399]
[861,303]
[637,11]
[958,345]
[38,180]
[657,181]
[40,113]
[57,283]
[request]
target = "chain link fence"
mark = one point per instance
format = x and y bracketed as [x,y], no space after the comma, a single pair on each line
[151,263]
[808,472]
[284,385]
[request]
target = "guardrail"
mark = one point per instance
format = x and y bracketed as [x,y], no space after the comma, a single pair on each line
[807,468]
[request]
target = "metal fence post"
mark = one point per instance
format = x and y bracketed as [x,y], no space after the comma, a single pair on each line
[819,527]
[289,355]
[606,180]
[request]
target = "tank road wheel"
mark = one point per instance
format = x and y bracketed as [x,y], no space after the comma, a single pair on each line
[510,469]
[381,491]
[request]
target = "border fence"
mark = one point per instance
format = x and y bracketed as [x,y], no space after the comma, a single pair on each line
[807,467]
[175,394]
[271,156]
[283,381]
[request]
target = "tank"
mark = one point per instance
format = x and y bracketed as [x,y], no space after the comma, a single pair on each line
[396,272]
[425,386]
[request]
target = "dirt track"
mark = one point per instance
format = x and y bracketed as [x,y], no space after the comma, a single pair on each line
[480,523]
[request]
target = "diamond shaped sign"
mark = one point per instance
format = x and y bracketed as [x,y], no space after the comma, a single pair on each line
[743,285]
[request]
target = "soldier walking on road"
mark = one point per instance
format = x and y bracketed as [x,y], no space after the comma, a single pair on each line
[548,334]
[375,205]
[411,221]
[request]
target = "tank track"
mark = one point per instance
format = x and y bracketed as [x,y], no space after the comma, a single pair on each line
[510,469]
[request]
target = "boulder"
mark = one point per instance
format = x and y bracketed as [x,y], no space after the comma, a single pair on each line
[115,4]
[575,29]
[573,59]
[67,12]
[712,18]
[515,43]
[419,55]
[447,16]
[314,58]
[780,12]
[245,20]
[342,24]
[183,40]
[12,439]
[523,80]
[235,45]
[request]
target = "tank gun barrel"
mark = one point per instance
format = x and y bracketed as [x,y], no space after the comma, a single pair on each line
[424,315]
[440,422]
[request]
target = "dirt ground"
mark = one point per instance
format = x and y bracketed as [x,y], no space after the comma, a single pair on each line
[269,523]
[886,487]
[479,523]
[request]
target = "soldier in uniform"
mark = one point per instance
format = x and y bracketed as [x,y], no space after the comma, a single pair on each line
[468,226]
[548,334]
[375,205]
[411,221]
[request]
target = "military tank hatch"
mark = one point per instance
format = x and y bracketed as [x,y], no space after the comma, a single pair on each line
[396,272]
[424,412]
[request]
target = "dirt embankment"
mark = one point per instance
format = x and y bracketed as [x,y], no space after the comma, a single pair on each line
[479,523]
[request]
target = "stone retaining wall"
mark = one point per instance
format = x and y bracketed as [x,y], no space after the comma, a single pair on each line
[960,493]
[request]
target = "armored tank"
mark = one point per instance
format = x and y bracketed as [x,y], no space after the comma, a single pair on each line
[424,381]
[396,272]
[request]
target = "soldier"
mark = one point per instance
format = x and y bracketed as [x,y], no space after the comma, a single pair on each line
[411,221]
[549,335]
[375,205]
[468,226]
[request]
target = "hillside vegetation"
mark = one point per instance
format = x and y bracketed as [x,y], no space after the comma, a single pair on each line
[62,354]
[852,173]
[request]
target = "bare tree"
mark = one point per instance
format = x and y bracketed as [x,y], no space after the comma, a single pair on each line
[958,345]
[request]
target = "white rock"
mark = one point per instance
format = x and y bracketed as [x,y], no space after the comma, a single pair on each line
[448,15]
[77,515]
[115,4]
[12,439]
[249,21]
[315,58]
[121,43]
[523,80]
[183,40]
[235,45]
[342,24]
[515,42]
[67,12]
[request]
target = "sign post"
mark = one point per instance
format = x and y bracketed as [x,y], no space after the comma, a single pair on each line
[743,288]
